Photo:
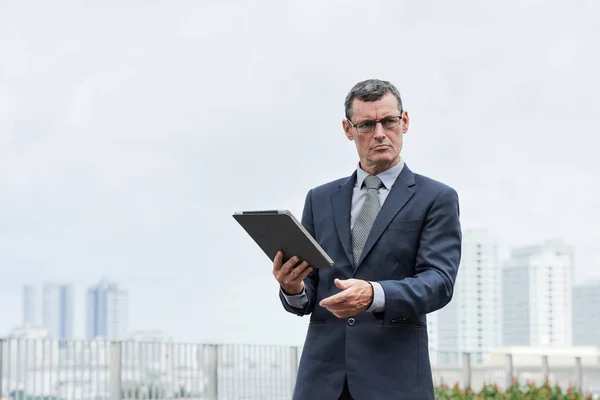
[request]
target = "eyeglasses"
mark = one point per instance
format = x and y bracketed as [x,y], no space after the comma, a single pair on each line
[369,126]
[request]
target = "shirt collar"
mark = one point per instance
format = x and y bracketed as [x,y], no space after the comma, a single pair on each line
[388,177]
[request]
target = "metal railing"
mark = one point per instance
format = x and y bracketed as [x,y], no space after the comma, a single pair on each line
[476,369]
[43,369]
[55,370]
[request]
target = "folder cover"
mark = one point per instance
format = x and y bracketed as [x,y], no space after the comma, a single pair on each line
[275,230]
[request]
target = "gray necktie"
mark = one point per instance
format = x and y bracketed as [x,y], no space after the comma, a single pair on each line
[366,216]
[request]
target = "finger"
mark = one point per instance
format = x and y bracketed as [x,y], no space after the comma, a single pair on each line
[334,300]
[344,299]
[340,284]
[295,276]
[342,296]
[290,264]
[297,272]
[342,313]
[306,272]
[339,308]
[277,261]
[325,302]
[290,275]
[346,283]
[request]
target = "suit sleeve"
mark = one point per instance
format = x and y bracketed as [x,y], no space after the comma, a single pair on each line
[309,295]
[437,260]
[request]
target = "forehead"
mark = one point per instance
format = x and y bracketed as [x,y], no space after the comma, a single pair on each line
[387,105]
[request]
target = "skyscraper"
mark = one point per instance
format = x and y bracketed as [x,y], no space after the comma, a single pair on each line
[57,306]
[537,303]
[432,334]
[586,314]
[471,321]
[107,311]
[31,306]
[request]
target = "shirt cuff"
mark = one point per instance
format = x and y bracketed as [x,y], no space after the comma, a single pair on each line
[378,304]
[295,300]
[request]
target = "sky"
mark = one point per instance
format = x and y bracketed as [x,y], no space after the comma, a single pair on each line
[131,131]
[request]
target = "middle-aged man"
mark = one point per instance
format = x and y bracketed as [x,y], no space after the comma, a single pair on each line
[395,238]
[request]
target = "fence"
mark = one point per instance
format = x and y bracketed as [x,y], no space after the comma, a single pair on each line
[36,369]
[476,369]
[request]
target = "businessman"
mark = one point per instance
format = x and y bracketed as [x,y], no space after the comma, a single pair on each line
[395,237]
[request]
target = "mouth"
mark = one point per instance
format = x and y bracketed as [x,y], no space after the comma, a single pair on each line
[381,147]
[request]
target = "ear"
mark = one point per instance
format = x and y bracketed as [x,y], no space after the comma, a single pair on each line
[405,122]
[347,129]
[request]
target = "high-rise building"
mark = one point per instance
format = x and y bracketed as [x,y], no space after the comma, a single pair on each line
[432,334]
[536,283]
[471,322]
[57,306]
[31,306]
[586,314]
[107,311]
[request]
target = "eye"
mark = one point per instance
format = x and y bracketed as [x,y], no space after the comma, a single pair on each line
[390,121]
[365,125]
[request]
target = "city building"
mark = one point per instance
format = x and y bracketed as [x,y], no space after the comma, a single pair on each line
[471,322]
[31,306]
[57,310]
[537,304]
[432,334]
[586,314]
[107,311]
[29,333]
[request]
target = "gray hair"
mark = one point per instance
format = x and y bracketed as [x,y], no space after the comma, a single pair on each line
[370,90]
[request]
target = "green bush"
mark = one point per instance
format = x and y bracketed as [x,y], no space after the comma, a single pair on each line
[528,391]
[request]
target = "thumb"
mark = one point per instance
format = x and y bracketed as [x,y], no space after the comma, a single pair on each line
[343,284]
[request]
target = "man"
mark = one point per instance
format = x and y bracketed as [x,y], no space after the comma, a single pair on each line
[395,238]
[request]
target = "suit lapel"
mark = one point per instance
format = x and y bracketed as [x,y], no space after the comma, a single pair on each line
[400,194]
[341,201]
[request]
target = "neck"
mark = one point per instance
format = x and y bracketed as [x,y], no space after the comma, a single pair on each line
[374,169]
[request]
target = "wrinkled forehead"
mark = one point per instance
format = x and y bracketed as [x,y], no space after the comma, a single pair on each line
[385,106]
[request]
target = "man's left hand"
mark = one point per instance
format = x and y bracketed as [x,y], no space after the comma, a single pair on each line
[355,297]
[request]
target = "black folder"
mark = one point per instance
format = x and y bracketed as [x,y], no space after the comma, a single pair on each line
[275,230]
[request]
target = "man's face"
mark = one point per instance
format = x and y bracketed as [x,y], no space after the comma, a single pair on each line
[379,149]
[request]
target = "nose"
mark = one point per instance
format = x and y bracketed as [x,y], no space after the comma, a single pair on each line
[379,132]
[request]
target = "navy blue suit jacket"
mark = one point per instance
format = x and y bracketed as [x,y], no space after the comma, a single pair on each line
[413,251]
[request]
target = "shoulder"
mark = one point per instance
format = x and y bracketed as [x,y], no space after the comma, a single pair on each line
[331,187]
[433,188]
[427,182]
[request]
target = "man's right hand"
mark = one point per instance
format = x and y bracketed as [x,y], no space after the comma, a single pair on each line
[290,274]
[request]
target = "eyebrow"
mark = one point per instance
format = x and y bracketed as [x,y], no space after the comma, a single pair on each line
[373,119]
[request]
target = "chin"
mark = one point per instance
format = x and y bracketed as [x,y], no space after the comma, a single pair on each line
[383,158]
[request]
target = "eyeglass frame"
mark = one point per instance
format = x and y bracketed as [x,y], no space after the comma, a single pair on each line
[376,121]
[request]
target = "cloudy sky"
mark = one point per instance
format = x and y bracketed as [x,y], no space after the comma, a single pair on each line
[131,131]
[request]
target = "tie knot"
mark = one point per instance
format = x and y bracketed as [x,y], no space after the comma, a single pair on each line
[373,182]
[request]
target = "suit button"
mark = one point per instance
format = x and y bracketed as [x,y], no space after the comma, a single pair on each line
[351,321]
